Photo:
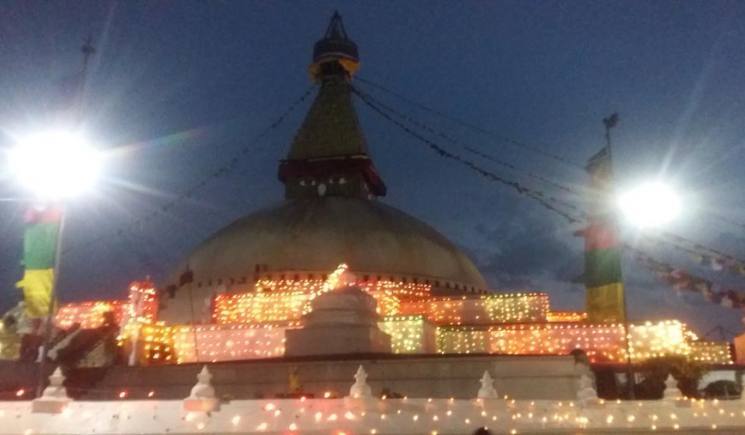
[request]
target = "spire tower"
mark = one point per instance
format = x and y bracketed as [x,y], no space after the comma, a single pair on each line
[328,156]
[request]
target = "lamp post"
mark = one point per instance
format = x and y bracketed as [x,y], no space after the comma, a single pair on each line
[609,123]
[53,167]
[648,205]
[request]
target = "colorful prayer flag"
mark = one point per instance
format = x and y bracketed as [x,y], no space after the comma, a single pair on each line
[599,162]
[605,303]
[37,292]
[39,251]
[39,245]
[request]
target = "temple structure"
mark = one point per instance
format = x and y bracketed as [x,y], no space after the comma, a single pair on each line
[332,278]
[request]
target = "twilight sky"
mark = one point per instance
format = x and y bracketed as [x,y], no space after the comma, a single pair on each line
[178,86]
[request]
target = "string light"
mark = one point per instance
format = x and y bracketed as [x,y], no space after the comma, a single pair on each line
[601,343]
[711,352]
[141,305]
[566,316]
[486,309]
[253,325]
[287,300]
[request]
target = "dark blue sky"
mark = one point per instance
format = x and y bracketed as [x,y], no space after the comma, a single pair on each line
[176,87]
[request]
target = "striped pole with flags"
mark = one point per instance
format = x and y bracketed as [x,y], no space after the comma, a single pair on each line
[603,278]
[606,300]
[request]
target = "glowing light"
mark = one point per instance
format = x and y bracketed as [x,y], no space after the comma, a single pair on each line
[566,316]
[287,300]
[601,342]
[253,325]
[487,309]
[55,165]
[651,204]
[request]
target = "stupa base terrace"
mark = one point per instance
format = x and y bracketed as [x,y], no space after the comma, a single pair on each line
[359,412]
[254,325]
[437,376]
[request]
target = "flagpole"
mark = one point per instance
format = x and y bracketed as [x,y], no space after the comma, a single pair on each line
[47,335]
[609,123]
[87,50]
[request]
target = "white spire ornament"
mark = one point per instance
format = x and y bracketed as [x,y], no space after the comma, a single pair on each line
[360,389]
[54,398]
[672,392]
[586,393]
[202,397]
[487,390]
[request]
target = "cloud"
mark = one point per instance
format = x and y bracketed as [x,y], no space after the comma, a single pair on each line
[524,250]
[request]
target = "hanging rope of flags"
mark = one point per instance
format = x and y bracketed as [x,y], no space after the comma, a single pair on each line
[678,278]
[547,201]
[226,168]
[708,257]
[714,258]
[411,120]
[682,280]
[727,220]
[503,139]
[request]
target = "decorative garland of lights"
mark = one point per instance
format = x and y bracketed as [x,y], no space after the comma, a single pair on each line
[566,316]
[409,334]
[161,344]
[711,352]
[339,416]
[601,343]
[252,325]
[141,305]
[89,315]
[287,300]
[413,334]
[486,309]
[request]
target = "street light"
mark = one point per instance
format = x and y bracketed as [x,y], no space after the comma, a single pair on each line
[649,205]
[54,165]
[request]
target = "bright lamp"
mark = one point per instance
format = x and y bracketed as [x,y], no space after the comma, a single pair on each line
[650,204]
[55,165]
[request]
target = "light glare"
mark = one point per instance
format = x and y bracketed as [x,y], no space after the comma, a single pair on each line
[55,165]
[651,204]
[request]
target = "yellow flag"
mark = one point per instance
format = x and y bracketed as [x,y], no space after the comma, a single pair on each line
[37,291]
[605,303]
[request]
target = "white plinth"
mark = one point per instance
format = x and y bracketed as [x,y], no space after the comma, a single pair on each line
[341,322]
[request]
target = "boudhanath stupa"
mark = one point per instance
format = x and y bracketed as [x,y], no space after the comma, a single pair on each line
[333,289]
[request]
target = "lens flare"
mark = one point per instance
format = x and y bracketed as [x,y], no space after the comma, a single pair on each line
[55,165]
[651,204]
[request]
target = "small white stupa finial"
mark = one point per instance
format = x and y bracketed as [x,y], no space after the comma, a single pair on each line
[586,390]
[54,398]
[56,388]
[360,389]
[672,392]
[202,397]
[203,389]
[487,390]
